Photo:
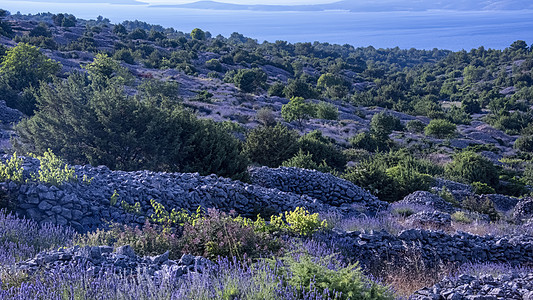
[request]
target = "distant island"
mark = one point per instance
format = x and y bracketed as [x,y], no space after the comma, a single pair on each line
[117,2]
[368,6]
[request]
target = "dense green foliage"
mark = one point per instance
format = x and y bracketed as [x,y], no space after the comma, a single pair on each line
[471,167]
[99,125]
[53,171]
[392,176]
[24,66]
[271,146]
[297,110]
[250,80]
[440,129]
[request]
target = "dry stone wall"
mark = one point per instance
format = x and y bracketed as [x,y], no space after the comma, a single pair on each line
[326,188]
[435,247]
[86,206]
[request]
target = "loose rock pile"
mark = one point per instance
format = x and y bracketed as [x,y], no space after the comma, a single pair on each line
[326,188]
[121,260]
[8,115]
[509,286]
[428,200]
[430,220]
[524,209]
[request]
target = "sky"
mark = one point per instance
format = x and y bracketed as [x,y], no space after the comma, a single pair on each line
[271,2]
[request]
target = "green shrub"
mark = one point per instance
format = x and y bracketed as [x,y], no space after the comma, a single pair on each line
[441,129]
[481,188]
[299,88]
[371,175]
[12,170]
[461,217]
[403,211]
[323,150]
[445,194]
[271,146]
[305,161]
[330,279]
[327,111]
[53,170]
[481,205]
[218,234]
[132,209]
[524,143]
[250,80]
[415,126]
[150,240]
[276,89]
[297,110]
[204,96]
[159,88]
[382,125]
[471,167]
[299,222]
[214,65]
[391,176]
[408,179]
[366,141]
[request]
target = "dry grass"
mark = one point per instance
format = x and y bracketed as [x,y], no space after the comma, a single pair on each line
[410,273]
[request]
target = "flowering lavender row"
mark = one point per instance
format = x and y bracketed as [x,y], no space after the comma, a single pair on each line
[24,238]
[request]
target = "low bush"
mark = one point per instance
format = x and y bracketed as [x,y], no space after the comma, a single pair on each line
[391,176]
[481,188]
[329,278]
[151,239]
[471,167]
[481,205]
[53,170]
[12,169]
[415,126]
[296,222]
[305,161]
[326,111]
[219,234]
[271,145]
[461,217]
[440,128]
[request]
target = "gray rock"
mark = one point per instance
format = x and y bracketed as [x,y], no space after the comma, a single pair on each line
[126,251]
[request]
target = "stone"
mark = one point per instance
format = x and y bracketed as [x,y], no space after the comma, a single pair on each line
[126,250]
[524,209]
[430,219]
[44,206]
[427,199]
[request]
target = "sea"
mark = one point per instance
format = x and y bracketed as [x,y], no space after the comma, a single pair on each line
[443,29]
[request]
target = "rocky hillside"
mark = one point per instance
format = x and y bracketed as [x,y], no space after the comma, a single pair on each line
[163,164]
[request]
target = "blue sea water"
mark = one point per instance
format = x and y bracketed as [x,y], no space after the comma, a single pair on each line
[452,30]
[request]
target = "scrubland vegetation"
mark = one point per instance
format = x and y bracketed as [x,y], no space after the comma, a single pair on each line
[414,108]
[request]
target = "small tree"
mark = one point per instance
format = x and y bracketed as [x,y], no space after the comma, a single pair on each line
[266,116]
[270,146]
[524,143]
[299,88]
[24,66]
[249,80]
[382,124]
[198,34]
[471,167]
[441,128]
[297,110]
[104,71]
[327,111]
[415,126]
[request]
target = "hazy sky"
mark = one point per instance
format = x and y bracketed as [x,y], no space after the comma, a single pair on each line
[286,2]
